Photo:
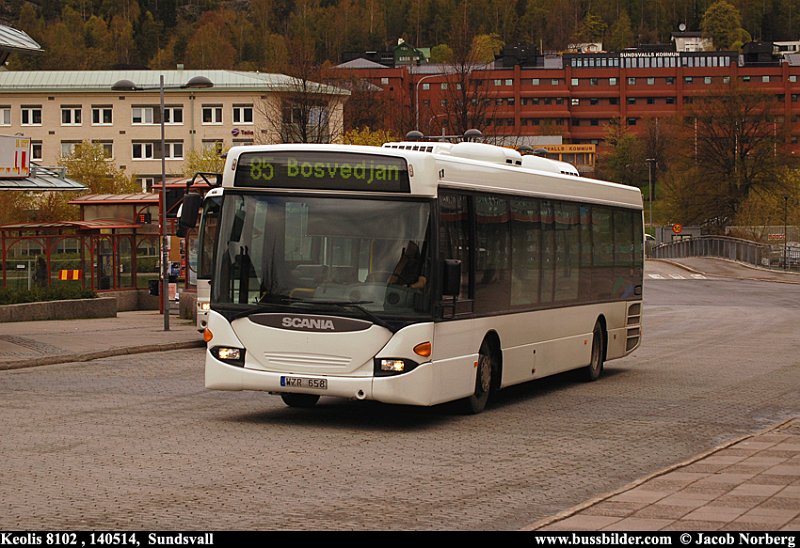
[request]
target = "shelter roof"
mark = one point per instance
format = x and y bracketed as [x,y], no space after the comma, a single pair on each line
[42,179]
[143,198]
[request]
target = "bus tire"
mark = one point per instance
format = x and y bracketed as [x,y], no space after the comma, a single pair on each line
[593,371]
[487,365]
[300,400]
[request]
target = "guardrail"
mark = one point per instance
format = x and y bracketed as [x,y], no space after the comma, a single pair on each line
[720,246]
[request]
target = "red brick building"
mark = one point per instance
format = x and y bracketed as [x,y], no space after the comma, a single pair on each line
[576,96]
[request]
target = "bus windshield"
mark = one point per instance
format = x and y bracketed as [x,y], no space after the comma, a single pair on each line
[347,256]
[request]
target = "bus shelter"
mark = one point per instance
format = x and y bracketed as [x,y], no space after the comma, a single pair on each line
[97,255]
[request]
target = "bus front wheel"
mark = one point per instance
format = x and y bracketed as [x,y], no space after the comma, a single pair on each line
[483,380]
[595,368]
[300,400]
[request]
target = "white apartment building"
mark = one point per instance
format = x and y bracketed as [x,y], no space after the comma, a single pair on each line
[59,109]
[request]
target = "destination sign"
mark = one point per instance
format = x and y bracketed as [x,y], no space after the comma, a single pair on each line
[322,170]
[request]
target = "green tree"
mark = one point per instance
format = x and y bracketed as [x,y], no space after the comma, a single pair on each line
[621,35]
[722,23]
[367,136]
[209,160]
[88,164]
[591,29]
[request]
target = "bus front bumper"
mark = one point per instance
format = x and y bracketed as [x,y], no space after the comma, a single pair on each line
[412,388]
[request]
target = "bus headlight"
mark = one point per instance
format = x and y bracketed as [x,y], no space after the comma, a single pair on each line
[204,307]
[228,354]
[385,367]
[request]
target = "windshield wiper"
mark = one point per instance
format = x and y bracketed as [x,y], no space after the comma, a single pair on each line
[357,305]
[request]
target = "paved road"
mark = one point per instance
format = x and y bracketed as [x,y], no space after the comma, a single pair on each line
[136,442]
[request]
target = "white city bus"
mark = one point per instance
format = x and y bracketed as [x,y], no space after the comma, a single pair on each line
[415,273]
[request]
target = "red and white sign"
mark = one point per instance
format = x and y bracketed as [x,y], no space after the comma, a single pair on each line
[15,156]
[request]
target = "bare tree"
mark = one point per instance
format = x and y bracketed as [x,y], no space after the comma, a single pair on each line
[304,109]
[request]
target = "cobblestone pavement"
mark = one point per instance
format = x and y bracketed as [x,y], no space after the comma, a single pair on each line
[136,442]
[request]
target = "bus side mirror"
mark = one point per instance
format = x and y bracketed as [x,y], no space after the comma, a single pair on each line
[189,213]
[451,285]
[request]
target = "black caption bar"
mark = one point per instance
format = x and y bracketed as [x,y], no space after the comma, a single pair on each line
[137,539]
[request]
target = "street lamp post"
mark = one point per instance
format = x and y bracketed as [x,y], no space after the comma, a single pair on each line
[785,236]
[195,83]
[416,99]
[650,162]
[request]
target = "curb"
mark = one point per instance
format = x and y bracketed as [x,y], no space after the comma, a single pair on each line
[89,356]
[591,502]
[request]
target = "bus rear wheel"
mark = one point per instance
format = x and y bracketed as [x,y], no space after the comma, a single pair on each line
[300,400]
[487,363]
[595,368]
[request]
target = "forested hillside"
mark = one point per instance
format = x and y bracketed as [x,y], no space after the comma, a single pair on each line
[259,34]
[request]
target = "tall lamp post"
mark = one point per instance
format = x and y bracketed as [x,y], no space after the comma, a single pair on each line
[416,99]
[195,83]
[650,162]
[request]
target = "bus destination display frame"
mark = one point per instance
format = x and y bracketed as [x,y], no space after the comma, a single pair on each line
[322,170]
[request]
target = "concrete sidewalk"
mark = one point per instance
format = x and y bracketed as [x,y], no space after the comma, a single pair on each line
[30,344]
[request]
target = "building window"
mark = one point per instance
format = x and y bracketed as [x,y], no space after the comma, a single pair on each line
[651,81]
[745,78]
[426,86]
[651,100]
[631,81]
[143,151]
[574,82]
[108,148]
[670,80]
[631,100]
[242,114]
[593,81]
[443,85]
[555,81]
[143,115]
[688,79]
[212,145]
[612,81]
[670,100]
[36,151]
[5,115]
[212,114]
[765,79]
[102,116]
[68,147]
[535,82]
[174,150]
[509,82]
[173,115]
[594,101]
[31,116]
[384,81]
[707,79]
[594,122]
[70,116]
[498,82]
[613,100]
[631,121]
[575,102]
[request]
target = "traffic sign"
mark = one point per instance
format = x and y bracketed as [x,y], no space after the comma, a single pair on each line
[677,228]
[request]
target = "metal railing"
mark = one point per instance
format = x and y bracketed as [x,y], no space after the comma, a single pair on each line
[724,247]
